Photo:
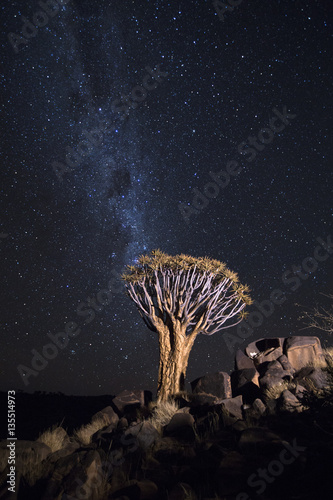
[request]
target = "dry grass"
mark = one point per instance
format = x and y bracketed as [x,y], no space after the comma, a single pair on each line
[85,432]
[276,391]
[53,437]
[189,493]
[163,411]
[328,353]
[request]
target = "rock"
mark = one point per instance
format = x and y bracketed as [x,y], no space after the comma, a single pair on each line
[259,406]
[211,455]
[265,350]
[119,477]
[185,409]
[137,490]
[182,401]
[145,433]
[27,453]
[256,410]
[271,406]
[64,452]
[246,383]
[274,376]
[288,402]
[234,406]
[286,365]
[239,426]
[104,436]
[242,361]
[230,475]
[169,450]
[181,426]
[312,378]
[229,421]
[300,390]
[108,415]
[258,440]
[122,424]
[87,476]
[77,475]
[302,351]
[217,384]
[202,399]
[126,400]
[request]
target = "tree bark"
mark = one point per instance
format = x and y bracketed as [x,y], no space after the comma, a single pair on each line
[175,348]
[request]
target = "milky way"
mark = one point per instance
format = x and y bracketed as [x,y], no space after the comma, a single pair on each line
[151,103]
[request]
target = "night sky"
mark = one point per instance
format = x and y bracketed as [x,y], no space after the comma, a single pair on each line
[152,103]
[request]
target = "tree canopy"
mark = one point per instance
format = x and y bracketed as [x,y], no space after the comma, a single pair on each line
[199,292]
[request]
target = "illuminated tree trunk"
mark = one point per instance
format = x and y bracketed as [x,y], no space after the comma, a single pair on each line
[175,350]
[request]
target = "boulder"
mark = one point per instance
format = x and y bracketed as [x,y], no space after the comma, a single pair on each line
[86,477]
[274,376]
[246,383]
[137,490]
[217,384]
[288,402]
[230,475]
[201,399]
[271,406]
[77,475]
[300,391]
[122,424]
[265,350]
[302,351]
[181,426]
[126,400]
[108,415]
[256,410]
[286,365]
[312,378]
[64,452]
[259,440]
[242,361]
[104,436]
[145,434]
[169,450]
[185,409]
[234,406]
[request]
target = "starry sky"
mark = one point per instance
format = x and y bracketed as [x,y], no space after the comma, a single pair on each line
[120,121]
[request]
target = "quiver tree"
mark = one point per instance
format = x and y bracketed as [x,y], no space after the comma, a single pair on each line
[179,297]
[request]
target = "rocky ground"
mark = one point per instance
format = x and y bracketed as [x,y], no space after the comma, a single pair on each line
[263,432]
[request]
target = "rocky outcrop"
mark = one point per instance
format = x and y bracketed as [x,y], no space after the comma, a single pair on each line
[212,446]
[301,351]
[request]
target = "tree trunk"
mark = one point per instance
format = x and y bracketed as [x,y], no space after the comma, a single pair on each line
[175,349]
